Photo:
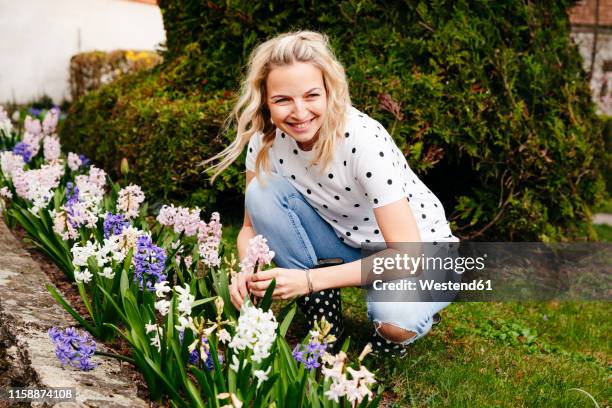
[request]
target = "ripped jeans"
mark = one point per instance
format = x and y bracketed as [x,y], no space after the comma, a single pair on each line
[299,237]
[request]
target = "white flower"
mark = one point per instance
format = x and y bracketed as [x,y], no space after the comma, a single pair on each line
[235,363]
[162,306]
[82,276]
[235,402]
[186,299]
[261,375]
[161,288]
[224,336]
[155,340]
[5,123]
[80,254]
[353,391]
[108,273]
[256,330]
[149,327]
[363,375]
[185,322]
[120,245]
[6,193]
[336,390]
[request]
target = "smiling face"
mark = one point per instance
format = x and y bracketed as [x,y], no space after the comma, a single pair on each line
[297,101]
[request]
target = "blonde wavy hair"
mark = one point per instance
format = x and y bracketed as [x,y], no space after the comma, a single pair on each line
[251,114]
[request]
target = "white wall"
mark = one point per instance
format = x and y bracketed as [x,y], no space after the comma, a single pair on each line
[38,37]
[601,82]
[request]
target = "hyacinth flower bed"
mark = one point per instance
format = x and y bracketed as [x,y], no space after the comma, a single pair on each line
[161,284]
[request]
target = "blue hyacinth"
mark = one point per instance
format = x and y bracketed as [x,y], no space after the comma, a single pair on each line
[23,150]
[72,348]
[310,354]
[84,160]
[194,358]
[114,224]
[149,263]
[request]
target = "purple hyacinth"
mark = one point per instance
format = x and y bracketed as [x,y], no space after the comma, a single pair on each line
[72,197]
[84,160]
[149,263]
[312,363]
[298,355]
[194,358]
[310,354]
[114,224]
[23,150]
[34,111]
[72,194]
[72,348]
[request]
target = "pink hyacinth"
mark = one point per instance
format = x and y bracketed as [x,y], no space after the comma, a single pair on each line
[51,148]
[74,161]
[184,220]
[32,125]
[91,186]
[50,122]
[209,239]
[187,221]
[37,185]
[33,142]
[97,176]
[258,254]
[10,164]
[129,200]
[166,215]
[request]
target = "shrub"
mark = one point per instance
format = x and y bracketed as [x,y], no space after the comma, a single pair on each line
[90,70]
[488,101]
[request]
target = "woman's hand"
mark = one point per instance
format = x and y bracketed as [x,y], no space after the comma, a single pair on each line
[238,289]
[290,283]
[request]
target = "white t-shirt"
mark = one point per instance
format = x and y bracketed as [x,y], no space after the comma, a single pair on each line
[367,171]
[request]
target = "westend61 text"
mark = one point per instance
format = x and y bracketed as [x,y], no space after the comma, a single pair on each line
[415,263]
[404,284]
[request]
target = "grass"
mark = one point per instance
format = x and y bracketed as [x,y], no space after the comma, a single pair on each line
[552,354]
[604,232]
[606,207]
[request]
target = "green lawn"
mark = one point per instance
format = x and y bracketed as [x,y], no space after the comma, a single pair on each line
[494,354]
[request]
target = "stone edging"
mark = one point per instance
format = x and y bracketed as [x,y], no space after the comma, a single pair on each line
[27,356]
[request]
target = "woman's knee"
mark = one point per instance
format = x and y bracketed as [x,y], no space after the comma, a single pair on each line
[393,333]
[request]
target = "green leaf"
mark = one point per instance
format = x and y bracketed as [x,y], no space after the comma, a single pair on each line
[91,329]
[266,301]
[284,326]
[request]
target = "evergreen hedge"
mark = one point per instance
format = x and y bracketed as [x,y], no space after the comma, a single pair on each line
[487,100]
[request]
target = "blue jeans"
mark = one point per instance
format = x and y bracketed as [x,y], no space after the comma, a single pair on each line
[299,237]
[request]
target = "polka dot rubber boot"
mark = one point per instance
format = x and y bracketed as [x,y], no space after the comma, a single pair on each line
[325,303]
[382,347]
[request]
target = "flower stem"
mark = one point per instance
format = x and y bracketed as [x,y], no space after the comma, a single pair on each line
[114,355]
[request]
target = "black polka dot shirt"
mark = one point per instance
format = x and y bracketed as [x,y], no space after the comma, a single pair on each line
[368,171]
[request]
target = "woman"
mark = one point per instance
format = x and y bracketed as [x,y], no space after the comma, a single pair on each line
[323,178]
